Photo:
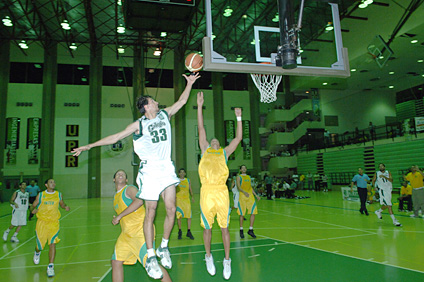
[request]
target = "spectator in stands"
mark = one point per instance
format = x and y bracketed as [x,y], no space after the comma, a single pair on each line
[361,180]
[415,178]
[268,183]
[295,178]
[301,181]
[310,180]
[405,195]
[317,179]
[324,182]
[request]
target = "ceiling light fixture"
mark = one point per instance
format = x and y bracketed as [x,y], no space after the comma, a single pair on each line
[119,2]
[65,25]
[391,72]
[420,61]
[23,44]
[391,87]
[73,46]
[121,49]
[276,18]
[353,70]
[244,16]
[414,41]
[324,83]
[120,29]
[157,52]
[7,21]
[228,12]
[329,26]
[163,34]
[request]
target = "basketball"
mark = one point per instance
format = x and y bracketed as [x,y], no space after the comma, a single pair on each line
[194,62]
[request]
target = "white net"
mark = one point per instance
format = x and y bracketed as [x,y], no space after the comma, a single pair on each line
[267,85]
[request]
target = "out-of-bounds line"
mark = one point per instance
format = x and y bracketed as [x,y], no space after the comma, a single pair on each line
[104,275]
[322,222]
[32,237]
[330,252]
[56,264]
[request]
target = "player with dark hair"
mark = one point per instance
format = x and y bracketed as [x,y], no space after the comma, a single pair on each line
[131,245]
[384,180]
[183,203]
[214,196]
[46,208]
[19,203]
[156,176]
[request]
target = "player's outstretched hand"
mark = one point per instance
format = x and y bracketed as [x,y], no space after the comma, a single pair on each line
[200,99]
[191,78]
[237,111]
[16,206]
[116,220]
[67,208]
[79,150]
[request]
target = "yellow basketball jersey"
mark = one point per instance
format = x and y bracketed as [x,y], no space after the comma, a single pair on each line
[131,224]
[48,205]
[246,183]
[183,189]
[213,169]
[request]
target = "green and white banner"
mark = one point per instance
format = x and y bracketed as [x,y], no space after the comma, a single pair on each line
[33,139]
[230,134]
[247,147]
[12,139]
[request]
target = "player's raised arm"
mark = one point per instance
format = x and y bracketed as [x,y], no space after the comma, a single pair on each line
[203,143]
[374,179]
[172,110]
[32,209]
[109,140]
[239,134]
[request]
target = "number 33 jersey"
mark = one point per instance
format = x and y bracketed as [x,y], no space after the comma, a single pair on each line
[154,139]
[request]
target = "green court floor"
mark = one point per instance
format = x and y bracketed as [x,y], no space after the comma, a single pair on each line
[322,238]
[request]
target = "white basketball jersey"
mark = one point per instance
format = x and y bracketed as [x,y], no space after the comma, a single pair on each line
[22,200]
[383,183]
[154,140]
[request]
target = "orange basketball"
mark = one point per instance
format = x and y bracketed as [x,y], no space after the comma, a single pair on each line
[194,62]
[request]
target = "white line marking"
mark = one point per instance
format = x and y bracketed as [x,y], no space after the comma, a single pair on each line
[56,264]
[370,259]
[104,275]
[254,256]
[187,262]
[270,250]
[385,262]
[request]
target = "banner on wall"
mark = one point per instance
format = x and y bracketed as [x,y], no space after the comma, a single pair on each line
[247,149]
[33,139]
[419,124]
[230,134]
[12,139]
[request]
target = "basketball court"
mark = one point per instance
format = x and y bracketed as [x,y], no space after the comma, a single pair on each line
[322,238]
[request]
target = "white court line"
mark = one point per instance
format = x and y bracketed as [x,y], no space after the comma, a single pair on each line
[316,221]
[61,264]
[33,237]
[187,263]
[344,255]
[104,275]
[254,256]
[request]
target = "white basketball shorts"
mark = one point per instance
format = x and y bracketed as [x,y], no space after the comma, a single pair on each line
[19,217]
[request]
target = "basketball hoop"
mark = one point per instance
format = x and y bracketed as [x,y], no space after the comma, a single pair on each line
[267,85]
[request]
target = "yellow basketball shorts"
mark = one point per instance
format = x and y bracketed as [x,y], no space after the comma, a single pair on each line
[183,208]
[214,201]
[130,249]
[247,205]
[46,231]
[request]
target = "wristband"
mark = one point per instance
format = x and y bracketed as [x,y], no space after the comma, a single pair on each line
[238,118]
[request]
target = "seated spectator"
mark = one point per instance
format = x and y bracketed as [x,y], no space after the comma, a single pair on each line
[405,195]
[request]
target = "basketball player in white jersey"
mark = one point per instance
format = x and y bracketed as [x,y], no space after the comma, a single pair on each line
[236,193]
[19,203]
[156,176]
[384,180]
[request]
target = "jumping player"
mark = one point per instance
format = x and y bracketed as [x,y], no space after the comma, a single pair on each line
[214,196]
[384,181]
[183,203]
[19,203]
[156,176]
[130,245]
[247,203]
[46,208]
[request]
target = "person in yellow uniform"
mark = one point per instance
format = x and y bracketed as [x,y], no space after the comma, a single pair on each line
[183,203]
[214,196]
[405,195]
[416,179]
[46,208]
[246,200]
[131,245]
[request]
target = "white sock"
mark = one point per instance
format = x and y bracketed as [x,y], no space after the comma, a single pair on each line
[251,228]
[241,228]
[150,253]
[164,243]
[16,234]
[380,210]
[37,253]
[393,217]
[7,231]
